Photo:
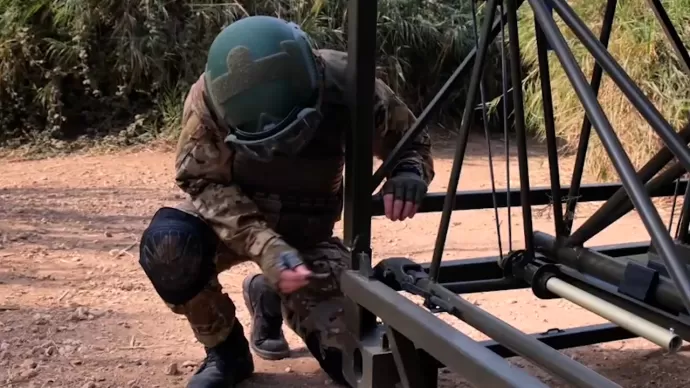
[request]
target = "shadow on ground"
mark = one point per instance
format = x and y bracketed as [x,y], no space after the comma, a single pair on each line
[626,367]
[78,218]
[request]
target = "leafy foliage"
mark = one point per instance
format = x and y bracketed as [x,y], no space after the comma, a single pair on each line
[121,68]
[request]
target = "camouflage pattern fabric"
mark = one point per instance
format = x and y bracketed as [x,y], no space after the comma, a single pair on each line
[204,170]
[313,310]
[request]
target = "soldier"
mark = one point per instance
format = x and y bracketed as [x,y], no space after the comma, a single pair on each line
[261,157]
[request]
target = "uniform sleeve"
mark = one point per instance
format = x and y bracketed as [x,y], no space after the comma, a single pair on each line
[203,170]
[392,118]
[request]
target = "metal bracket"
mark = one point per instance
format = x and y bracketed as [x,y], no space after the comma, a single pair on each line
[407,360]
[639,282]
[401,274]
[368,362]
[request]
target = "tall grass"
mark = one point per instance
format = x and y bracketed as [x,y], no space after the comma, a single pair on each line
[121,68]
[638,43]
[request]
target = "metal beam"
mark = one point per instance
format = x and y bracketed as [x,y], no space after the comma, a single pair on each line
[481,199]
[480,366]
[569,338]
[543,355]
[361,70]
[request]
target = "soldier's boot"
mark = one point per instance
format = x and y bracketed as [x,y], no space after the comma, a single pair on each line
[263,302]
[226,364]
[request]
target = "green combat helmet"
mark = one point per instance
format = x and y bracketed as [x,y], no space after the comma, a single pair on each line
[262,82]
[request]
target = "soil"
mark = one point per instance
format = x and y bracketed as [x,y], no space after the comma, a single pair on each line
[77,311]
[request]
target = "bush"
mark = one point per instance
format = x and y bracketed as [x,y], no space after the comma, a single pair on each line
[640,46]
[72,68]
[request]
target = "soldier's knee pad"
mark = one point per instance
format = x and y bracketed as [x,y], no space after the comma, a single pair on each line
[177,254]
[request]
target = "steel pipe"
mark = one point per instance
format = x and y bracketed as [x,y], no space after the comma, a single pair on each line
[603,268]
[543,355]
[642,327]
[461,354]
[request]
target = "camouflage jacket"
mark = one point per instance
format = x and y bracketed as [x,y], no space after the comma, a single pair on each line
[204,161]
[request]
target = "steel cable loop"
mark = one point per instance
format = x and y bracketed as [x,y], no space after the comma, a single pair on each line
[673,205]
[485,120]
[462,140]
[506,138]
[684,212]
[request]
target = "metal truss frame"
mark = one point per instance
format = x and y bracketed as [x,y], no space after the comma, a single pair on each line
[395,342]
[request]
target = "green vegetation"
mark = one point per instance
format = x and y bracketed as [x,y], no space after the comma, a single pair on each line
[638,43]
[90,68]
[119,70]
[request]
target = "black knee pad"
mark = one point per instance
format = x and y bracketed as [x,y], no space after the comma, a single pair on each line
[176,253]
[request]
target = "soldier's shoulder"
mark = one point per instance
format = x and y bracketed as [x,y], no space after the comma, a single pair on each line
[335,69]
[335,75]
[195,105]
[335,62]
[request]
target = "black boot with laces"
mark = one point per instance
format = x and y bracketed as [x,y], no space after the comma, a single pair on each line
[226,364]
[263,302]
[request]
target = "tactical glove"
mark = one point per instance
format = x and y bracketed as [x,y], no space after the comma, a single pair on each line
[277,257]
[407,187]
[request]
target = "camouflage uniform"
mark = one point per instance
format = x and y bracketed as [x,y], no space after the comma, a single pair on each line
[251,209]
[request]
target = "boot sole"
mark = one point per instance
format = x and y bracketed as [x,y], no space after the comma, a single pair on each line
[264,354]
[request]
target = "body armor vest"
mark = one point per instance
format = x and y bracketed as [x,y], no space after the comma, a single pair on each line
[302,196]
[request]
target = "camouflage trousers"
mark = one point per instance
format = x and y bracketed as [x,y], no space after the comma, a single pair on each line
[315,312]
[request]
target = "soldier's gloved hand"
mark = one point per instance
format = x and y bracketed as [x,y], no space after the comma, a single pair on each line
[294,274]
[402,195]
[284,268]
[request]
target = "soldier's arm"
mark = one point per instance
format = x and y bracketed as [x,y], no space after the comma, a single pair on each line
[203,170]
[392,118]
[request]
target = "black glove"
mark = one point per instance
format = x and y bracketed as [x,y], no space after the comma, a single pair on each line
[291,260]
[407,187]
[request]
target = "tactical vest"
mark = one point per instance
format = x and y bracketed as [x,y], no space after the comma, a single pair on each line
[302,196]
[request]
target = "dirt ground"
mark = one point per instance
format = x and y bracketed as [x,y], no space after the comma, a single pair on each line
[77,311]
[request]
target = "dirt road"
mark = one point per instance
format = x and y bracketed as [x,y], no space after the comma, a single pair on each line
[77,311]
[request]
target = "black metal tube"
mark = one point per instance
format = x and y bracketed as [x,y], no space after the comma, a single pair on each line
[603,268]
[463,137]
[673,205]
[570,338]
[480,366]
[361,70]
[586,131]
[472,286]
[487,135]
[505,78]
[643,203]
[550,128]
[671,33]
[520,131]
[667,177]
[529,347]
[432,108]
[636,96]
[610,294]
[482,199]
[593,224]
[684,222]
